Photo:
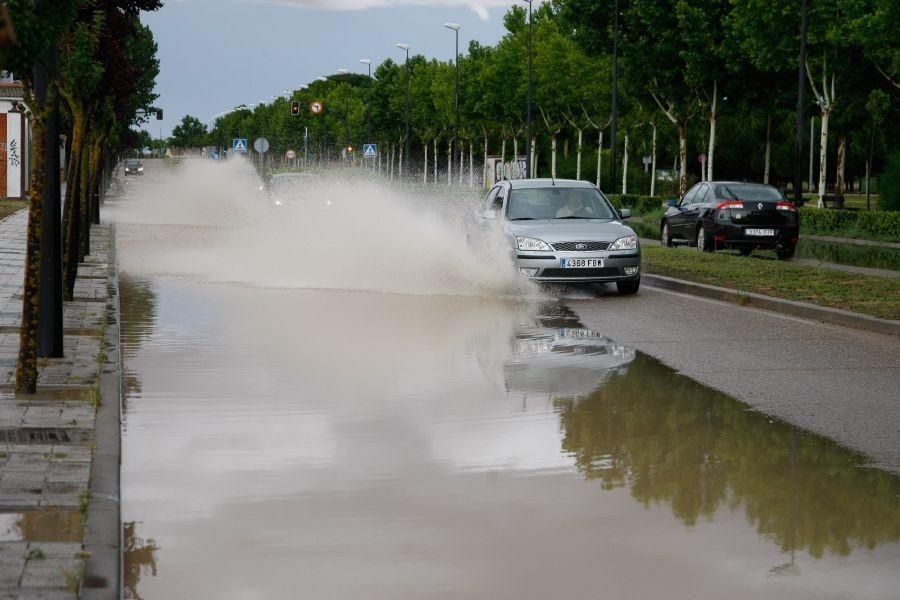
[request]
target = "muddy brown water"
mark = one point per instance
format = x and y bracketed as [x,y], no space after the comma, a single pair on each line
[291,443]
[303,443]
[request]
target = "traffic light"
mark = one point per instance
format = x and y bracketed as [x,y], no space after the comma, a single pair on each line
[295,109]
[159,114]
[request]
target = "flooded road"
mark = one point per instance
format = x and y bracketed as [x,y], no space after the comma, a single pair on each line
[320,443]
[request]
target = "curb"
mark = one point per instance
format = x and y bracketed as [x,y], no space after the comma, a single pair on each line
[103,530]
[803,310]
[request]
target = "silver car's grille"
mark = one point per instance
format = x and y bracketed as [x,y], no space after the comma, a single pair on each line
[580,246]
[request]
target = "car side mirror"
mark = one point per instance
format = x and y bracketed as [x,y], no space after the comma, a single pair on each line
[624,213]
[671,202]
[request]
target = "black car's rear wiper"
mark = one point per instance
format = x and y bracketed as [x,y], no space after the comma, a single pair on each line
[524,219]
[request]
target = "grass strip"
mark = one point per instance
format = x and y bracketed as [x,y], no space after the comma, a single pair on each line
[8,207]
[875,296]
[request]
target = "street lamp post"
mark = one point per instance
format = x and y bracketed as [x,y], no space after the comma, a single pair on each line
[368,63]
[455,27]
[615,99]
[346,151]
[801,105]
[528,152]
[324,120]
[405,47]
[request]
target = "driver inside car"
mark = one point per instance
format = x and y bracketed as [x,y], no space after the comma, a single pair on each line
[575,207]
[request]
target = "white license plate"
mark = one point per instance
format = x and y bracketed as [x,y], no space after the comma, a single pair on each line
[760,232]
[582,263]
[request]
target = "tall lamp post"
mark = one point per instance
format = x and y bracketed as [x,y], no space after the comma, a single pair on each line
[528,157]
[405,47]
[368,63]
[455,27]
[801,105]
[324,120]
[615,99]
[346,151]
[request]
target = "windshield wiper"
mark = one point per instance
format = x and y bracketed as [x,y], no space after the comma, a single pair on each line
[524,219]
[574,217]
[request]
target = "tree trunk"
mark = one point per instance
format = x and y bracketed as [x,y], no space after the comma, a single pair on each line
[599,157]
[459,177]
[578,157]
[425,170]
[515,157]
[768,150]
[653,163]
[450,163]
[84,204]
[682,156]
[400,162]
[553,156]
[823,157]
[96,172]
[26,367]
[534,157]
[503,152]
[471,166]
[484,165]
[625,167]
[712,132]
[841,163]
[391,164]
[435,161]
[72,209]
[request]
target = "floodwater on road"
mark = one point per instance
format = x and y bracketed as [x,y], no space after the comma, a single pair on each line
[292,442]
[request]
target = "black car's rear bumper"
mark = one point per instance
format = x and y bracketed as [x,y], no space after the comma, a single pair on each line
[729,235]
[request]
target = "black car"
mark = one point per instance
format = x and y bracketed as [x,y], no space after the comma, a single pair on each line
[134,167]
[717,215]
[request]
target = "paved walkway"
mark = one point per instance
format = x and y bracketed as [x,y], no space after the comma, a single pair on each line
[47,440]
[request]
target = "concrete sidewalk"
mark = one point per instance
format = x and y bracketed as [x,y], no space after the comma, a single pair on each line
[47,440]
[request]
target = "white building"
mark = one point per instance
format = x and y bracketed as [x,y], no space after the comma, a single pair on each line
[15,141]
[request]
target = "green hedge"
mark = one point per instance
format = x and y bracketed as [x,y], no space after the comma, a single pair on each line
[875,224]
[640,205]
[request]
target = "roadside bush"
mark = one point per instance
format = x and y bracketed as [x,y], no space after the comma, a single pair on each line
[875,224]
[889,198]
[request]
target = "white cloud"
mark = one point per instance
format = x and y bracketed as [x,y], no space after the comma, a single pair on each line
[480,8]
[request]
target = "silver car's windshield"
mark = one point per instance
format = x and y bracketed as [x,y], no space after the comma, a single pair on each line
[292,184]
[558,203]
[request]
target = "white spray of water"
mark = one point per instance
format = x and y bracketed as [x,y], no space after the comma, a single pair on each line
[210,221]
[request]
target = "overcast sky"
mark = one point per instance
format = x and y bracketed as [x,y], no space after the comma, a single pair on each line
[216,54]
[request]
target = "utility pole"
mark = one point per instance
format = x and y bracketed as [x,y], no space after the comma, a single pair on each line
[528,153]
[50,311]
[615,98]
[405,47]
[801,105]
[455,27]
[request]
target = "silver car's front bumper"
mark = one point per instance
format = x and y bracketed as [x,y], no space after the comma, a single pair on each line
[550,270]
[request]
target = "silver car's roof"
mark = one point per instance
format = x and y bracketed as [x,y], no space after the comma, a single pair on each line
[518,184]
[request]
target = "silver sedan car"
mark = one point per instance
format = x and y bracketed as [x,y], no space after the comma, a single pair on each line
[565,231]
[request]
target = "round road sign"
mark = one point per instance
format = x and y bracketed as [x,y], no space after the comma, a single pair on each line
[261,145]
[291,155]
[316,107]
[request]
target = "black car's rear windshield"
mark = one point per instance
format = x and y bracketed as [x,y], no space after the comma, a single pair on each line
[748,191]
[558,203]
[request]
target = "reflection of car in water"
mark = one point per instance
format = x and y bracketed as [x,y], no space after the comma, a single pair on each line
[552,353]
[292,188]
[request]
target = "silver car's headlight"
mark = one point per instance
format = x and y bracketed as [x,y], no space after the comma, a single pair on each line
[533,244]
[629,242]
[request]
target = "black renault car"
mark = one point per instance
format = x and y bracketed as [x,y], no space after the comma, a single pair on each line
[718,215]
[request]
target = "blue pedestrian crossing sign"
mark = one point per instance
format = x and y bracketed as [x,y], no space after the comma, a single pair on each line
[239,144]
[370,150]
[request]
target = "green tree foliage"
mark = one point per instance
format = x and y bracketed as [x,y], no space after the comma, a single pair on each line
[190,133]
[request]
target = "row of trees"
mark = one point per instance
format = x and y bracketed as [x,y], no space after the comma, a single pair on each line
[88,68]
[725,69]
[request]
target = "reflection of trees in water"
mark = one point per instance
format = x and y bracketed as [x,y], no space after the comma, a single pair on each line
[670,439]
[140,559]
[138,306]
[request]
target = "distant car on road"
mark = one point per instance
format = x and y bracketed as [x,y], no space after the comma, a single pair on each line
[717,215]
[134,167]
[565,231]
[291,188]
